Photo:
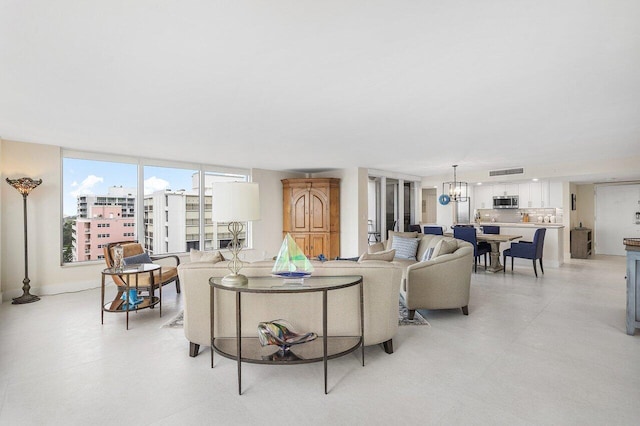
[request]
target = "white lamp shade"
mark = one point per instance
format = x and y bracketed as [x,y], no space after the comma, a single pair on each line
[235,201]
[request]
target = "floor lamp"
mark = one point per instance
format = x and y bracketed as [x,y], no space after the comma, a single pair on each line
[235,202]
[24,186]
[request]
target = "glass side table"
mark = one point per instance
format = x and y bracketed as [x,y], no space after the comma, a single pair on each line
[325,347]
[129,276]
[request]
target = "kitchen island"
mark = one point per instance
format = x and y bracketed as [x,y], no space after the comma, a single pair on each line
[553,254]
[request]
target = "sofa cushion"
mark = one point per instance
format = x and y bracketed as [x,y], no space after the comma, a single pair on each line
[399,234]
[427,241]
[405,248]
[386,256]
[376,247]
[205,256]
[444,246]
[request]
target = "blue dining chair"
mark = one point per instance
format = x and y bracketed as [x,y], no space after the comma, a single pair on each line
[527,250]
[469,235]
[490,229]
[434,230]
[414,228]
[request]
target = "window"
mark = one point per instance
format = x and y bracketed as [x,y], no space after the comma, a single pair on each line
[172,212]
[96,195]
[102,202]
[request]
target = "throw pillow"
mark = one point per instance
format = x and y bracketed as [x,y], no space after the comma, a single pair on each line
[427,254]
[375,248]
[393,234]
[445,246]
[137,259]
[406,248]
[205,256]
[386,255]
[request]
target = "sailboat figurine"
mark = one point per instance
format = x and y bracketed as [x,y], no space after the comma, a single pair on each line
[291,261]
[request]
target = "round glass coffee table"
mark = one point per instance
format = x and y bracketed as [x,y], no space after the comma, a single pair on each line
[249,349]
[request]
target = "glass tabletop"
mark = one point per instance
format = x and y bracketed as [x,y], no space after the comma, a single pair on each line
[135,268]
[285,285]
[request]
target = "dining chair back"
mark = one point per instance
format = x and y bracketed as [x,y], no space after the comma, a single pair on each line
[433,230]
[527,250]
[490,229]
[469,234]
[415,228]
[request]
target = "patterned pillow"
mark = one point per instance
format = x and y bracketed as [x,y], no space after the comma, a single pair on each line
[406,248]
[138,258]
[386,255]
[427,254]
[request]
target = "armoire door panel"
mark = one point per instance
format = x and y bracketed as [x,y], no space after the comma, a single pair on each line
[319,220]
[318,244]
[300,219]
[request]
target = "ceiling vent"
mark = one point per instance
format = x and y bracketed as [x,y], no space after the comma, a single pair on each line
[517,171]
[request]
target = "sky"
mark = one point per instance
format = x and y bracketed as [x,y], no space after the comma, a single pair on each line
[90,177]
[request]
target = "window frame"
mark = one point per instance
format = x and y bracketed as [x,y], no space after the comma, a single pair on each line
[140,163]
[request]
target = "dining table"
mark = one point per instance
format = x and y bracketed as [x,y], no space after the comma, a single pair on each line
[494,241]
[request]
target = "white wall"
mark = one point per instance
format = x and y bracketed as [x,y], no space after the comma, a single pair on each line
[616,206]
[353,209]
[267,232]
[44,220]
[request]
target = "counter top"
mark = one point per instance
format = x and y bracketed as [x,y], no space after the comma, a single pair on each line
[524,224]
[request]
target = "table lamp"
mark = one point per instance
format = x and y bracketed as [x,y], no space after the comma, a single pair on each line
[235,202]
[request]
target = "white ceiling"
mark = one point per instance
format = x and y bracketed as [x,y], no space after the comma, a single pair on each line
[397,85]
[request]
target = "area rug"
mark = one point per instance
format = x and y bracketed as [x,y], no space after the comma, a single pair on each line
[178,321]
[403,315]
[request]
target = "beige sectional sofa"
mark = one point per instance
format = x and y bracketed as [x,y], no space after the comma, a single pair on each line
[304,311]
[444,281]
[439,283]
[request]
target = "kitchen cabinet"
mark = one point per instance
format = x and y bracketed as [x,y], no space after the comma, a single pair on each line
[523,195]
[311,214]
[483,197]
[535,195]
[555,195]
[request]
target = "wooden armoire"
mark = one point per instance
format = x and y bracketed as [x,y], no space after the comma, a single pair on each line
[312,215]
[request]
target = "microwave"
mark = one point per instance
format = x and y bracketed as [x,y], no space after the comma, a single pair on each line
[505,202]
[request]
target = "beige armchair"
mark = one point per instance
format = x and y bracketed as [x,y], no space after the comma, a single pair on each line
[441,283]
[133,248]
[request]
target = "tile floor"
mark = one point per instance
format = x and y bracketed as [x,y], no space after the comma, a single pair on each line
[551,350]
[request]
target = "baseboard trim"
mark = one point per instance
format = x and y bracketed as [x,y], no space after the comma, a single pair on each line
[53,289]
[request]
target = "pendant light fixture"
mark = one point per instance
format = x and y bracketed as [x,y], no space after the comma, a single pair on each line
[455,191]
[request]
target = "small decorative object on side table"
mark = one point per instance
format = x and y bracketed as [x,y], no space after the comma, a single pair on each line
[124,300]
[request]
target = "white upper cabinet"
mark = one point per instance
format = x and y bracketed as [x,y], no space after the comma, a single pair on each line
[524,197]
[555,194]
[535,195]
[541,194]
[483,197]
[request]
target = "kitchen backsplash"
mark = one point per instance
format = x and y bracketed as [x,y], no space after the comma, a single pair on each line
[517,215]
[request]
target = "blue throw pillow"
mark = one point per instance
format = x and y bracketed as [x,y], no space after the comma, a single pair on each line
[138,258]
[406,248]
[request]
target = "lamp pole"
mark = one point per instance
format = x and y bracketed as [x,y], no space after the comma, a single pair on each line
[24,186]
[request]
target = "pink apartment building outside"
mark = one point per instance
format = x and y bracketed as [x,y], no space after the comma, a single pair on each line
[103,225]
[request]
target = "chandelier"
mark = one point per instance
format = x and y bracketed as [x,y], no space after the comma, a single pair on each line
[456,191]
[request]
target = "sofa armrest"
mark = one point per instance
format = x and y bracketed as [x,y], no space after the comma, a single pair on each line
[168,256]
